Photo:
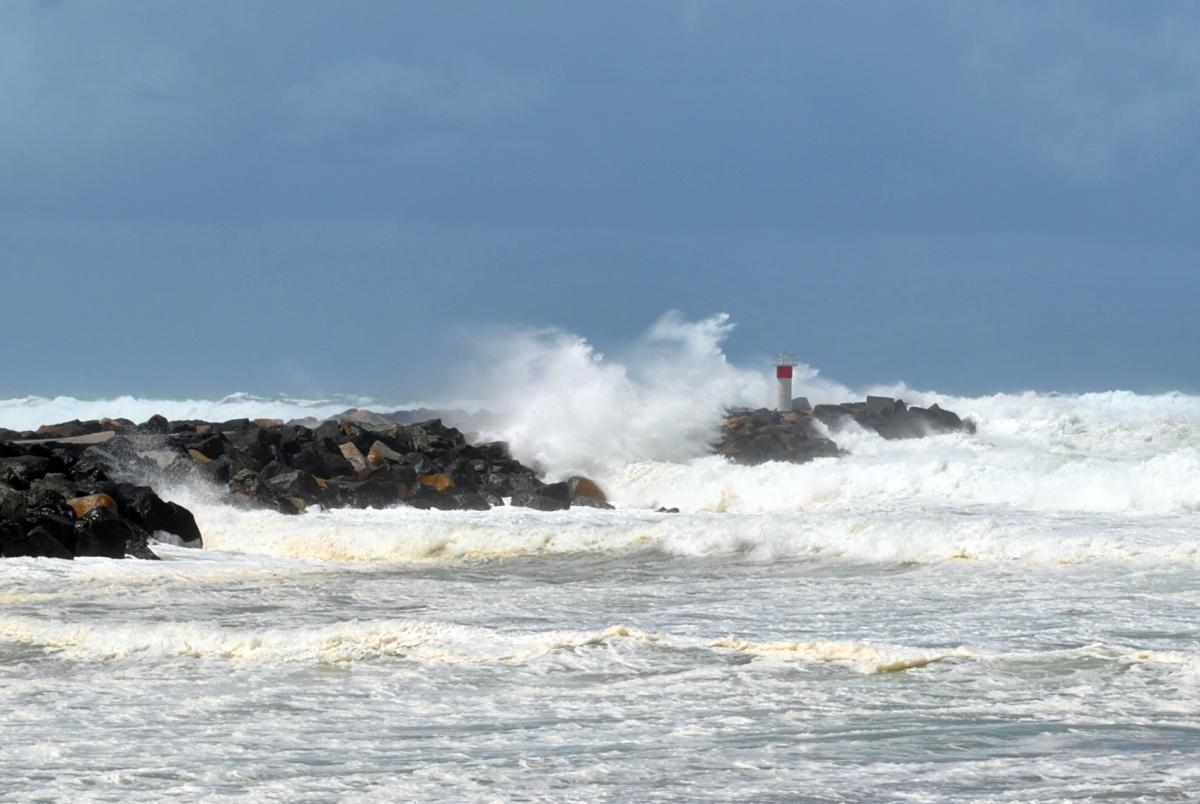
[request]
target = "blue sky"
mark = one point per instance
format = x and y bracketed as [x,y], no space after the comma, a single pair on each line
[318,198]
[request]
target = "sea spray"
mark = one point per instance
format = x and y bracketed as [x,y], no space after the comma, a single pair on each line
[567,408]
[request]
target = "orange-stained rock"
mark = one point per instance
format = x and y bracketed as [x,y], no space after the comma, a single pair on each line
[352,454]
[584,487]
[439,481]
[198,456]
[268,422]
[380,453]
[83,505]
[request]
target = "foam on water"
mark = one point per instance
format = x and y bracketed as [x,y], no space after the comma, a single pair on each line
[417,641]
[1009,614]
[874,533]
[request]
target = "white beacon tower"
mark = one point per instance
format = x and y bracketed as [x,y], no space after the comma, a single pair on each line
[784,363]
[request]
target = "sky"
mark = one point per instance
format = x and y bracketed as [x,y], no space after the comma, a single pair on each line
[319,198]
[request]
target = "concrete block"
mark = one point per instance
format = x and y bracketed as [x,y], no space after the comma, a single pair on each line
[880,405]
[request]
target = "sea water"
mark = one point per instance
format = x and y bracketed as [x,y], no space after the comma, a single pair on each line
[1006,615]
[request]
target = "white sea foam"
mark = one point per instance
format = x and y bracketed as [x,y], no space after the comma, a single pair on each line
[30,412]
[917,619]
[1044,478]
[420,641]
[864,528]
[866,658]
[342,642]
[567,408]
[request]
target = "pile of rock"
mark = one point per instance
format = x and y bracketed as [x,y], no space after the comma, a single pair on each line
[66,490]
[357,460]
[893,419]
[60,501]
[756,436]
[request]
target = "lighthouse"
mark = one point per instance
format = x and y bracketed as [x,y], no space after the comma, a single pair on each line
[784,363]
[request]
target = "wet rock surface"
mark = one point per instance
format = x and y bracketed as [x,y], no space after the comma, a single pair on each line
[64,500]
[757,436]
[752,437]
[357,460]
[892,418]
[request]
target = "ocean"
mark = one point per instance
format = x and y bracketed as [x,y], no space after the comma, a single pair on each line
[1009,615]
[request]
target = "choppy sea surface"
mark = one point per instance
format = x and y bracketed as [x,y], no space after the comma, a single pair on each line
[1012,615]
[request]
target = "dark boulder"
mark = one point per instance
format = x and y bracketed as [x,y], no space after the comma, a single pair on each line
[249,489]
[293,483]
[491,451]
[62,485]
[35,542]
[465,473]
[49,511]
[509,483]
[471,501]
[219,471]
[291,438]
[539,502]
[103,533]
[20,471]
[147,509]
[939,420]
[323,459]
[210,445]
[71,429]
[557,491]
[96,465]
[13,504]
[68,498]
[157,424]
[434,437]
[585,492]
[378,492]
[422,464]
[892,418]
[757,436]
[425,497]
[251,447]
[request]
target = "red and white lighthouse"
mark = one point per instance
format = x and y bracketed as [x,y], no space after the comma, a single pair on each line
[784,363]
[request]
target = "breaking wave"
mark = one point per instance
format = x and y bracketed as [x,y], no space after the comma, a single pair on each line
[424,642]
[1045,477]
[866,532]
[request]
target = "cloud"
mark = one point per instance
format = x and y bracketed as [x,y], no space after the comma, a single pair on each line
[1084,90]
[365,90]
[68,98]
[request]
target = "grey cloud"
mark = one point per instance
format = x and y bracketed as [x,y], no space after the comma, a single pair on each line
[363,90]
[66,101]
[1084,90]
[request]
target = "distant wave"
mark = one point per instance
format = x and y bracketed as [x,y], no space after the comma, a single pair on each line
[424,642]
[30,412]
